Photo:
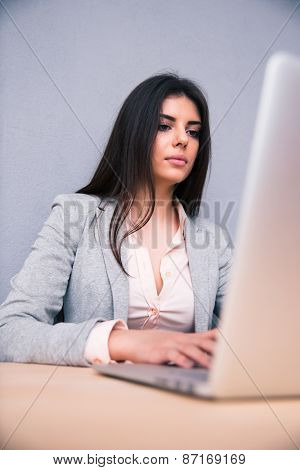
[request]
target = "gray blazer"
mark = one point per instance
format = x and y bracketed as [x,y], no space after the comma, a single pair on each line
[71,269]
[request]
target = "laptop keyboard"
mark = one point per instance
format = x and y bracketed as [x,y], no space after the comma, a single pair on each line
[180,379]
[196,373]
[171,376]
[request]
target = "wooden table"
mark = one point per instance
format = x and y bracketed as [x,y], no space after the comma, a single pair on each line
[50,407]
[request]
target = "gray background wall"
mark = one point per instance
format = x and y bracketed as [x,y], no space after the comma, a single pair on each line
[67,66]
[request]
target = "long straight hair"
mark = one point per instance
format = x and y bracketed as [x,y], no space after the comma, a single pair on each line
[126,167]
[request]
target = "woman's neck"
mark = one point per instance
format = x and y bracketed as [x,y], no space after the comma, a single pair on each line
[163,211]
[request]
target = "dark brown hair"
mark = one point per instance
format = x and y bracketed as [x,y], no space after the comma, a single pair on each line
[125,166]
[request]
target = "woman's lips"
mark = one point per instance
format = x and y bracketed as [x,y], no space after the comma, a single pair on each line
[176,162]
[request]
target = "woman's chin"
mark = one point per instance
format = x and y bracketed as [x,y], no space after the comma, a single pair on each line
[169,179]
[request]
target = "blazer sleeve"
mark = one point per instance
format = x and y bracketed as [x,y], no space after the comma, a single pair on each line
[225,257]
[27,329]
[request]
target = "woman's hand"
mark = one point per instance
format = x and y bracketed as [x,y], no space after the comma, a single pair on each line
[159,346]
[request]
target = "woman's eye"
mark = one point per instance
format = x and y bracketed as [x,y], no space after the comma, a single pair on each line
[195,133]
[164,127]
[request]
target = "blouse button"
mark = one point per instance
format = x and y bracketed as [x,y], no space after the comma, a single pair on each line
[153,311]
[168,274]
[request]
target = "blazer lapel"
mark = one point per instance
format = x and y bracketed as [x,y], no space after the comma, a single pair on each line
[117,278]
[197,247]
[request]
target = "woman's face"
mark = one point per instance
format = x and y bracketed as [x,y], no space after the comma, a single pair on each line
[177,135]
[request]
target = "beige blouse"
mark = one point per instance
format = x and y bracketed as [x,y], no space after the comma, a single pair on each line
[172,309]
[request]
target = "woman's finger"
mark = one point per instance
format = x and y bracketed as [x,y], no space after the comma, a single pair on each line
[208,345]
[180,359]
[212,334]
[199,355]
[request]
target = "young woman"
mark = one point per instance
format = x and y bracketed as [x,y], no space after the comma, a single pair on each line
[127,262]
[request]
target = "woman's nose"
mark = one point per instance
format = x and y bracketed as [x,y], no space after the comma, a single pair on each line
[181,138]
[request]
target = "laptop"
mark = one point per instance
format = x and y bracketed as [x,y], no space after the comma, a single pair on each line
[257,353]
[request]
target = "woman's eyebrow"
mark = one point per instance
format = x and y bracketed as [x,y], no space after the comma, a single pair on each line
[171,118]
